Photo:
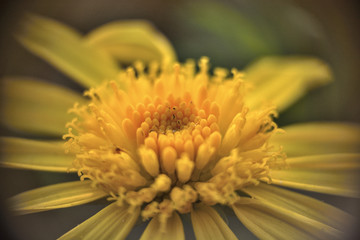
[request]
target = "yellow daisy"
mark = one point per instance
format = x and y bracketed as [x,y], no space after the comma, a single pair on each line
[162,140]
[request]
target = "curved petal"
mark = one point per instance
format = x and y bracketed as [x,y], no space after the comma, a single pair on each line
[273,222]
[64,48]
[129,41]
[112,222]
[336,174]
[36,107]
[174,229]
[283,80]
[35,155]
[55,196]
[208,224]
[300,204]
[319,138]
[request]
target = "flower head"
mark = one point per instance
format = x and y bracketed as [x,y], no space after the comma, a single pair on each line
[167,140]
[162,140]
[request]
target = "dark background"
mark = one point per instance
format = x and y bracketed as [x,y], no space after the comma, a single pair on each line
[232,33]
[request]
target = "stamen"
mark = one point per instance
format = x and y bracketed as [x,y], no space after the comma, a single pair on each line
[168,157]
[150,161]
[184,168]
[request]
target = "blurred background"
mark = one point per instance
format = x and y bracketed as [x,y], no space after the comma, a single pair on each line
[232,33]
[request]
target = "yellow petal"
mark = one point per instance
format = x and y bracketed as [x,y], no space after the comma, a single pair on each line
[36,107]
[129,41]
[174,229]
[300,204]
[336,174]
[319,138]
[208,225]
[55,196]
[283,80]
[112,222]
[273,222]
[64,48]
[35,155]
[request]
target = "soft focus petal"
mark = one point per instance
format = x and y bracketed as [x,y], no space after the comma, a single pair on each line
[55,196]
[113,222]
[174,229]
[208,224]
[336,174]
[35,155]
[36,107]
[283,80]
[300,204]
[274,222]
[319,138]
[129,41]
[64,48]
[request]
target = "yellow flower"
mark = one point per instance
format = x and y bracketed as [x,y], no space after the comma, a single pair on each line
[159,141]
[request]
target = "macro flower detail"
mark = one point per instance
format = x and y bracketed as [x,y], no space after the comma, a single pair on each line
[171,139]
[160,139]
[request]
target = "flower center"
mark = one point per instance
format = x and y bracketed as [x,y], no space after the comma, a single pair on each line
[166,140]
[175,129]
